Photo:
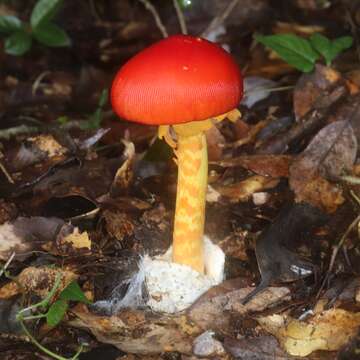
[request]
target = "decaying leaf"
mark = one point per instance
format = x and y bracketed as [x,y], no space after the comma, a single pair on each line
[310,86]
[118,224]
[266,165]
[206,345]
[137,331]
[329,330]
[38,280]
[77,239]
[215,309]
[34,233]
[259,348]
[242,190]
[331,153]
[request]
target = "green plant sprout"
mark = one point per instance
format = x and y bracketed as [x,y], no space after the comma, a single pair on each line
[20,35]
[54,314]
[303,53]
[95,119]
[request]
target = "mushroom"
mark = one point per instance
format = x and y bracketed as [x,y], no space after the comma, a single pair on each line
[184,84]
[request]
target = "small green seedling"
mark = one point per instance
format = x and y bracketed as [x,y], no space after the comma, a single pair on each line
[95,119]
[55,313]
[20,35]
[303,53]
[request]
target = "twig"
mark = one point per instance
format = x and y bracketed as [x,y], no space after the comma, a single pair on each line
[339,246]
[3,269]
[180,17]
[150,7]
[6,173]
[218,20]
[6,134]
[38,81]
[336,251]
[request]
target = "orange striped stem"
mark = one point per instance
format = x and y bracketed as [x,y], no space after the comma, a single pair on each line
[190,201]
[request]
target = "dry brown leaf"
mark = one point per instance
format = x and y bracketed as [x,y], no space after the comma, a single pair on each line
[311,86]
[216,308]
[331,153]
[78,240]
[138,331]
[265,165]
[47,144]
[242,190]
[9,290]
[320,193]
[41,280]
[215,140]
[329,331]
[262,347]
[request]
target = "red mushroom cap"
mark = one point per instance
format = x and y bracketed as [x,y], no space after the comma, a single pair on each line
[177,80]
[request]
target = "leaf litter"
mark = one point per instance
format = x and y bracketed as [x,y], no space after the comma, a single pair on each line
[85,203]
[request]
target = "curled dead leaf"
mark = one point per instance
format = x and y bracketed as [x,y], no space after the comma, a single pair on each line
[242,190]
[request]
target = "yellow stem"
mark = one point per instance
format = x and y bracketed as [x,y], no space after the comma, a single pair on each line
[190,201]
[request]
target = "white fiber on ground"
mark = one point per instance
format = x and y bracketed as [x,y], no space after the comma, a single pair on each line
[170,287]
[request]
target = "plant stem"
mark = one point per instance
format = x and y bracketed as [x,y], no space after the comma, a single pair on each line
[190,201]
[44,349]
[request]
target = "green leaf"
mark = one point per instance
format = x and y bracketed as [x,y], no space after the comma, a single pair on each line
[340,44]
[330,49]
[44,11]
[56,312]
[9,24]
[295,50]
[73,292]
[52,35]
[323,45]
[18,43]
